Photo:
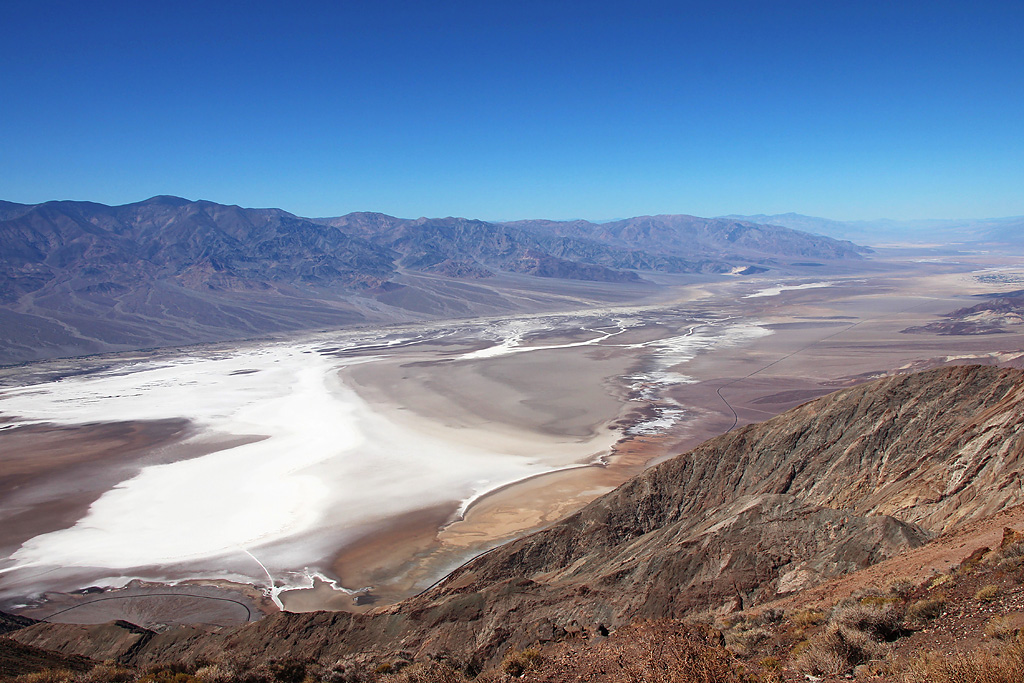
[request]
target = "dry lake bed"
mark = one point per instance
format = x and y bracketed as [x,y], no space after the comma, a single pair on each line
[350,469]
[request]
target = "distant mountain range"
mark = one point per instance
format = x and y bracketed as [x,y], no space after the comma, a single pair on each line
[80,277]
[1008,230]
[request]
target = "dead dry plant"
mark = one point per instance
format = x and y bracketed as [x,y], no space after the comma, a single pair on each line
[923,611]
[1001,627]
[987,593]
[432,671]
[838,650]
[880,621]
[1006,666]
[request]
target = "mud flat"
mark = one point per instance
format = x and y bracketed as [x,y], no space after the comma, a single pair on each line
[288,452]
[349,470]
[822,338]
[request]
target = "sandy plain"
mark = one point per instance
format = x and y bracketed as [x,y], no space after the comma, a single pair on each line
[660,379]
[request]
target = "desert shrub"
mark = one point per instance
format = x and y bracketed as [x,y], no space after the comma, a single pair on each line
[1001,627]
[231,670]
[940,580]
[171,668]
[288,670]
[771,670]
[901,587]
[881,622]
[218,673]
[870,591]
[925,610]
[345,672]
[987,593]
[168,676]
[743,641]
[518,663]
[837,651]
[971,667]
[798,649]
[879,600]
[727,621]
[708,617]
[806,618]
[49,676]
[765,617]
[658,651]
[432,671]
[750,632]
[108,672]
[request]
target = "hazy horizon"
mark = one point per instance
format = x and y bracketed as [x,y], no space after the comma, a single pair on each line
[853,222]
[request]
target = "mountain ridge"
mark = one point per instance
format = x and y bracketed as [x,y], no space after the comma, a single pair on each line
[80,277]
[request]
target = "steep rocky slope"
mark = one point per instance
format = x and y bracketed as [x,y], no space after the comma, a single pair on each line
[835,485]
[992,316]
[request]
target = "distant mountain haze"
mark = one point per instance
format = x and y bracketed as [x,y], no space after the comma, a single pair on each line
[1008,230]
[81,277]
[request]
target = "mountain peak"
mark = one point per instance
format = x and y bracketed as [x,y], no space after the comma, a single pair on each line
[163,200]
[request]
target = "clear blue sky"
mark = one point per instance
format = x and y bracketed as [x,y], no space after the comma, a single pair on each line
[841,108]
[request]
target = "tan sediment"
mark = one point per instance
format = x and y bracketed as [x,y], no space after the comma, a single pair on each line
[534,503]
[533,404]
[50,474]
[392,558]
[563,394]
[407,553]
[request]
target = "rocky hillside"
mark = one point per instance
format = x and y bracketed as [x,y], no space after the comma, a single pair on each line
[113,249]
[713,238]
[999,313]
[79,277]
[833,486]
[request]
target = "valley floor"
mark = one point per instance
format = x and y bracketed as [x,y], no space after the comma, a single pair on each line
[445,439]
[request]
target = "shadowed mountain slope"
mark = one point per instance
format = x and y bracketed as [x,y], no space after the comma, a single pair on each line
[710,238]
[835,485]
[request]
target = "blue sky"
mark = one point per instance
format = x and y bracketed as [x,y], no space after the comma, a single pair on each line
[845,109]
